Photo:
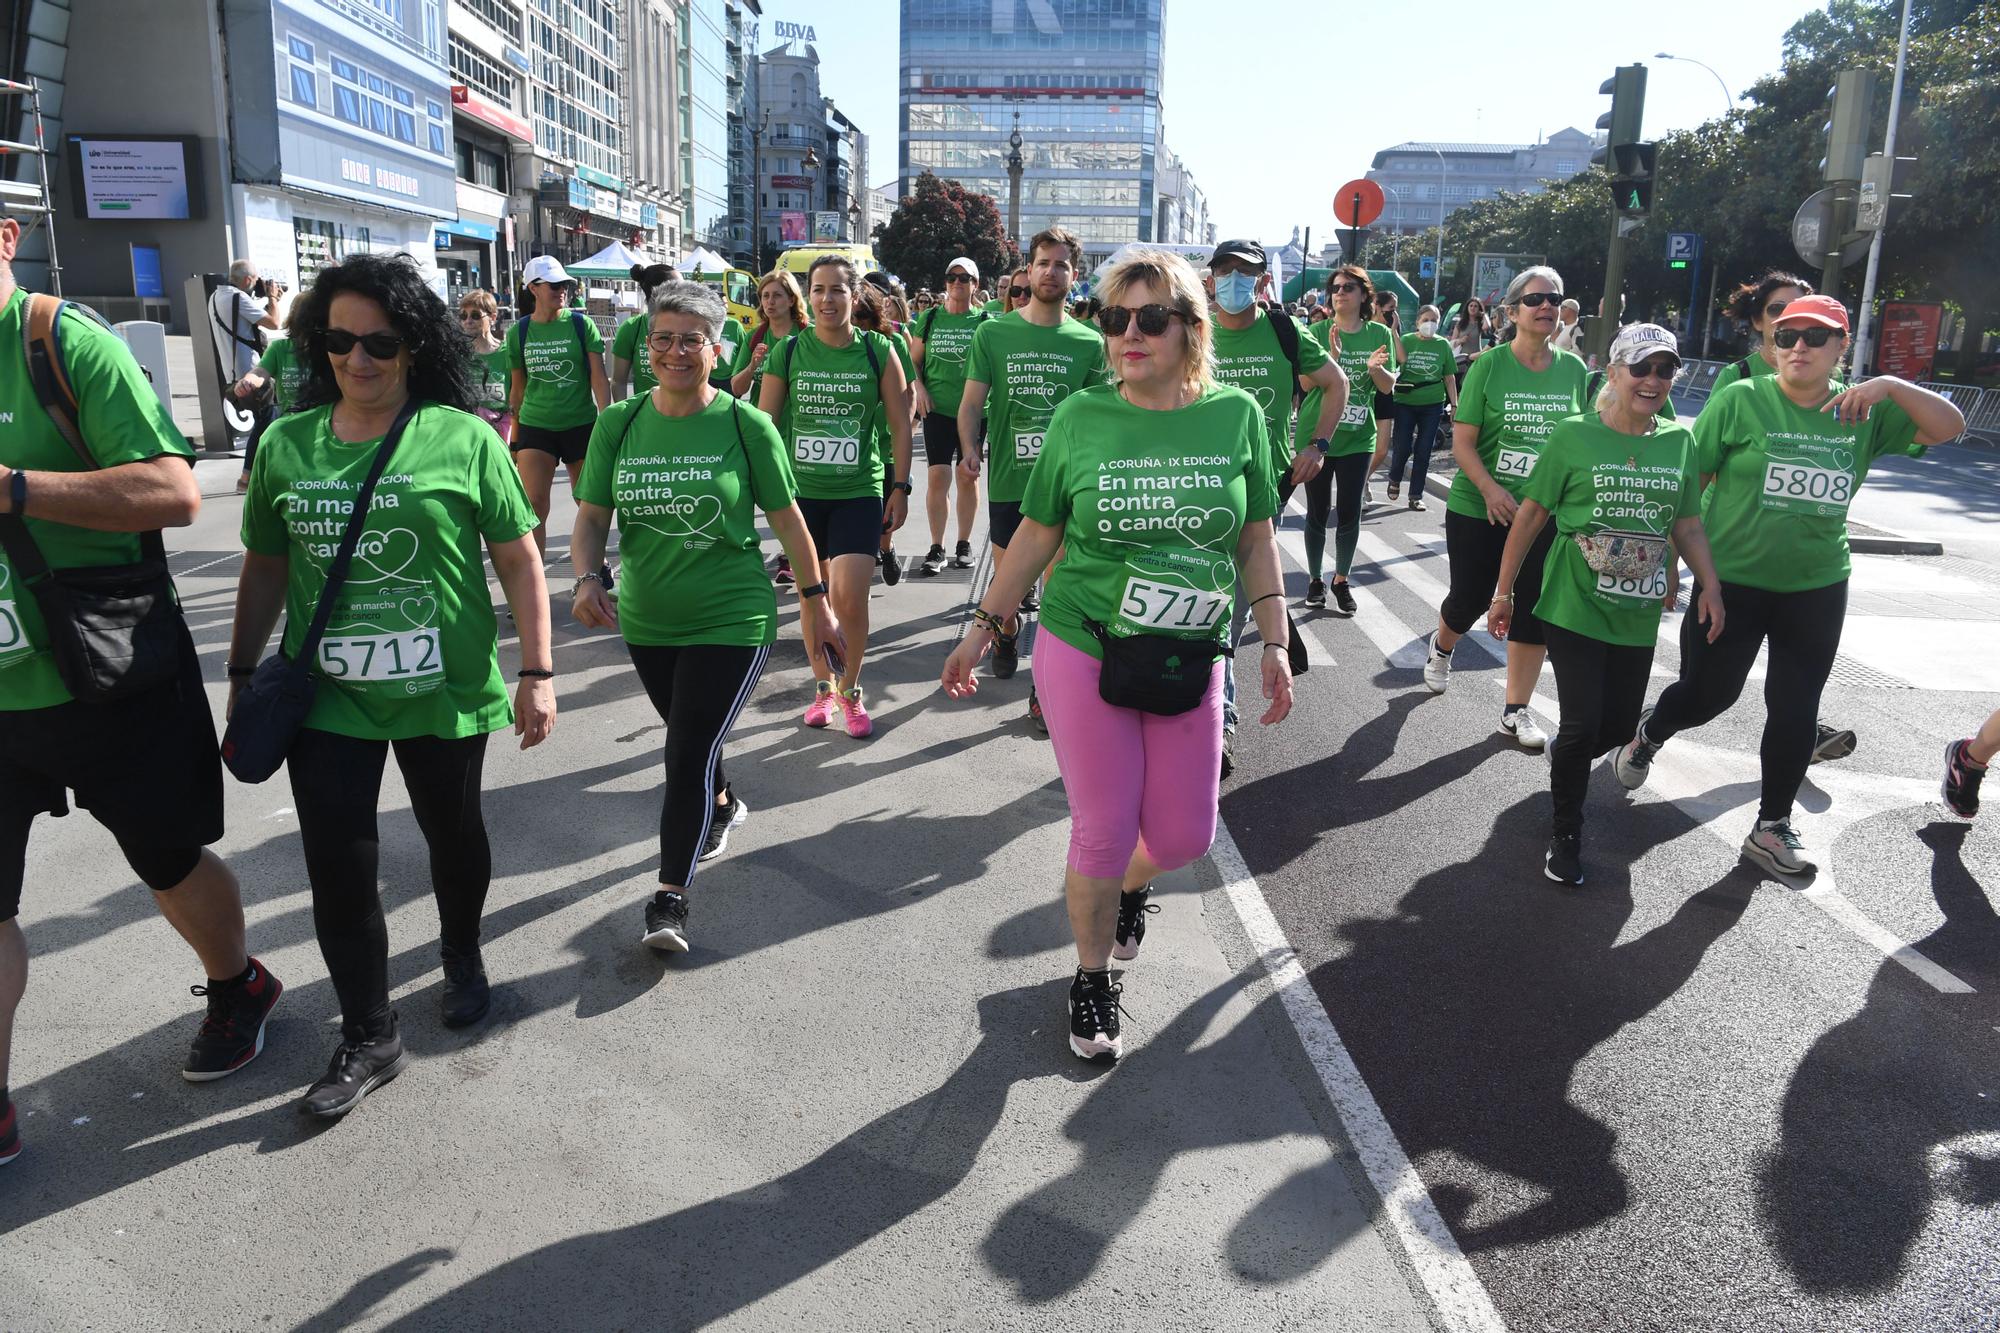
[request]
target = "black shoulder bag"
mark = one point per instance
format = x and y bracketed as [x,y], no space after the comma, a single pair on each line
[272,706]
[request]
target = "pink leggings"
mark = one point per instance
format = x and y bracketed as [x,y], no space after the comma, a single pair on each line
[1134,779]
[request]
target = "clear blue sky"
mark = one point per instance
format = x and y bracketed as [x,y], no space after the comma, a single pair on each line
[1271,149]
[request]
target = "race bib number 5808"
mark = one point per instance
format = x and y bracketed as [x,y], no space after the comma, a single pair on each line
[1169,607]
[1803,487]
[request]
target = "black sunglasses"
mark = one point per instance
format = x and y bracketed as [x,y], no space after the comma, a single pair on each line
[1153,319]
[1018,292]
[1659,368]
[380,346]
[1775,309]
[1814,338]
[1345,287]
[1535,300]
[958,277]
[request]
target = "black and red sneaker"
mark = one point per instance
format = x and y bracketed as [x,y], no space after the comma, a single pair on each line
[233,1033]
[10,1135]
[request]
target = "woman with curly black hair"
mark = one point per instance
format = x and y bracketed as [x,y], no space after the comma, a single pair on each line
[410,659]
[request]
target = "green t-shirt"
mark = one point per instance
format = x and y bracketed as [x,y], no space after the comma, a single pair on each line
[686,491]
[885,439]
[496,370]
[1759,368]
[1606,484]
[121,418]
[1515,409]
[725,355]
[997,306]
[1427,363]
[558,394]
[1028,370]
[1776,512]
[280,361]
[745,348]
[1151,505]
[629,344]
[947,340]
[1356,432]
[833,401]
[1253,360]
[410,648]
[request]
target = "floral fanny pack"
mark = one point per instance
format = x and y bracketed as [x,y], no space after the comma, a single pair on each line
[1622,555]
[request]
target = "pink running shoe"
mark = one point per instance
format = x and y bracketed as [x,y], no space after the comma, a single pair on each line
[819,712]
[859,725]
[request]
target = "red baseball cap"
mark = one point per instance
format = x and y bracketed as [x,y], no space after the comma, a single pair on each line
[1822,310]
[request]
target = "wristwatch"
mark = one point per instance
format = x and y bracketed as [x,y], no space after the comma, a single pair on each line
[17,492]
[1324,445]
[904,487]
[812,590]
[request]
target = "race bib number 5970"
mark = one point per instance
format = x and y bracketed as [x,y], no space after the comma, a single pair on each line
[1027,448]
[826,449]
[1169,607]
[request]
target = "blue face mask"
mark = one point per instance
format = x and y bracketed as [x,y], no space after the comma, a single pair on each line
[1236,292]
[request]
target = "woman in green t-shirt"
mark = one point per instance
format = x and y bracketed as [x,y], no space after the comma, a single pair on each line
[476,313]
[1758,303]
[1157,488]
[1620,483]
[558,385]
[1365,351]
[1511,400]
[782,310]
[684,469]
[876,310]
[1783,456]
[1426,379]
[828,387]
[631,362]
[410,658]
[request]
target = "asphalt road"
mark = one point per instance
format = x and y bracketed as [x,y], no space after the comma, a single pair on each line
[1684,1096]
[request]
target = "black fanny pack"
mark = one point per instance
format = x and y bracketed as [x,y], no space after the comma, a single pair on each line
[1153,672]
[113,630]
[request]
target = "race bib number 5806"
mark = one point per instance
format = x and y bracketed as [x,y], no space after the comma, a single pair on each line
[1651,588]
[1170,607]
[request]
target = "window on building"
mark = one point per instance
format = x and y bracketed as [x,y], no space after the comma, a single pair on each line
[1566,166]
[305,86]
[388,9]
[300,49]
[406,127]
[440,141]
[347,104]
[432,27]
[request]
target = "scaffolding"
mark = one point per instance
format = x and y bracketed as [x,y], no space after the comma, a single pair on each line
[31,199]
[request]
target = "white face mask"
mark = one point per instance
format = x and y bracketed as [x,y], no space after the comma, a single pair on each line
[1427,327]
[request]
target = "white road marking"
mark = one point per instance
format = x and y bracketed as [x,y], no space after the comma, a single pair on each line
[1382,628]
[1460,1299]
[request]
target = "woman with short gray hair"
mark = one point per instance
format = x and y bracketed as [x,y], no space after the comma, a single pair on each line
[683,469]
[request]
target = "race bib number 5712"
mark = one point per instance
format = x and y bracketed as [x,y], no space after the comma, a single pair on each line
[378,658]
[1169,606]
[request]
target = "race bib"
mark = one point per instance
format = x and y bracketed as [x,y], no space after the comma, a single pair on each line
[826,450]
[385,640]
[1516,463]
[1649,587]
[1354,414]
[1027,448]
[1803,488]
[373,658]
[13,635]
[1168,607]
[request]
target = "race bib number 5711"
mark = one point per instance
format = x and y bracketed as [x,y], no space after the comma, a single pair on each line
[1168,606]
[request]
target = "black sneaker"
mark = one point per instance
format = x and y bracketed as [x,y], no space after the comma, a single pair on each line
[667,923]
[726,818]
[1093,1015]
[604,572]
[933,562]
[467,994]
[1343,600]
[1133,909]
[1035,717]
[961,558]
[10,1135]
[232,1035]
[359,1066]
[1228,752]
[892,568]
[1831,743]
[1563,862]
[1030,602]
[1961,781]
[1006,655]
[1316,593]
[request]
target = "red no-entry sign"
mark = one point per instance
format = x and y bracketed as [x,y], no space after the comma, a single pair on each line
[1358,203]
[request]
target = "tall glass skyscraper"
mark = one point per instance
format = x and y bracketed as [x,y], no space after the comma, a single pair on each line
[1084,76]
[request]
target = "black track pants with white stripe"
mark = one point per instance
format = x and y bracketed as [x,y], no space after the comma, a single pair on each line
[699,688]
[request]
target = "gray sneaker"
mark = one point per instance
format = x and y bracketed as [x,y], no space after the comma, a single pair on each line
[1775,845]
[1527,733]
[1635,759]
[1437,666]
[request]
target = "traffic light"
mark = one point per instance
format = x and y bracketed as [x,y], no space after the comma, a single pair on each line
[1881,181]
[1850,109]
[1631,168]
[1627,87]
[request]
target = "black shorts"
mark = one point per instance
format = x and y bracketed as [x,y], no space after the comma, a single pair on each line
[1472,548]
[843,527]
[568,444]
[1385,407]
[145,767]
[1003,520]
[941,443]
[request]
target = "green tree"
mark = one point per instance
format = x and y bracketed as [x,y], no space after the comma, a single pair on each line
[937,222]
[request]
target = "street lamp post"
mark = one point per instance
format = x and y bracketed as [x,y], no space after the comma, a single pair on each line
[1715,264]
[1728,98]
[1015,165]
[1437,261]
[757,196]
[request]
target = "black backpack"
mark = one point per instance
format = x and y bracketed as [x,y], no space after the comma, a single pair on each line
[874,362]
[1287,334]
[579,323]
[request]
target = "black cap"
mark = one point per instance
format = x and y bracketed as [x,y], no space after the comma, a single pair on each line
[1250,252]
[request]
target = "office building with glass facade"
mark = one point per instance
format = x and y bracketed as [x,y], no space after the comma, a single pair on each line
[1084,76]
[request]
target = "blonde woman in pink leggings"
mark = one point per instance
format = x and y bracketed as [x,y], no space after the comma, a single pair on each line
[1157,488]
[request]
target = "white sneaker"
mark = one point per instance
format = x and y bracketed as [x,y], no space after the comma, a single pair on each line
[1775,845]
[1527,732]
[1437,666]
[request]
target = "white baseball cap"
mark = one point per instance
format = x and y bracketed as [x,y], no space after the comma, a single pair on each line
[544,268]
[1636,342]
[964,265]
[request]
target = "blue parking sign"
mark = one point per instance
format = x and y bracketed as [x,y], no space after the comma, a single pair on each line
[1683,245]
[1427,266]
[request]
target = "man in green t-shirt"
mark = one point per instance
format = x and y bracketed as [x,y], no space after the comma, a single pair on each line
[1021,367]
[143,764]
[1252,354]
[940,342]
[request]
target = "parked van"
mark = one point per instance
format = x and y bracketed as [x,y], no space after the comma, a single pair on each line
[738,290]
[797,258]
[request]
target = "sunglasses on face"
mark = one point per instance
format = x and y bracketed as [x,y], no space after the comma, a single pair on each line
[667,342]
[1814,338]
[1345,287]
[958,277]
[1153,319]
[380,346]
[1018,292]
[1536,300]
[470,316]
[1659,368]
[1775,309]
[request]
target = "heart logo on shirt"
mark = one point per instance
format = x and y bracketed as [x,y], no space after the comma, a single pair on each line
[1193,519]
[557,370]
[1655,515]
[1843,459]
[1266,396]
[421,612]
[384,555]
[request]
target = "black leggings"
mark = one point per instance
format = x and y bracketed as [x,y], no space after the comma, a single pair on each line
[1351,471]
[1804,630]
[1472,547]
[698,688]
[337,782]
[1601,687]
